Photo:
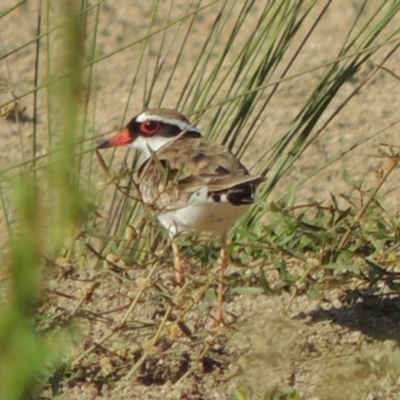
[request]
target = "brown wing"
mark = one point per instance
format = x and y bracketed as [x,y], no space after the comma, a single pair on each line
[169,177]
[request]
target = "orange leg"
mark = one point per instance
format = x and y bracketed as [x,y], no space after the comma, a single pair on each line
[223,260]
[178,266]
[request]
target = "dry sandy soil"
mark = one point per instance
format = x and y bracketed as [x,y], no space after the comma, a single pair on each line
[323,348]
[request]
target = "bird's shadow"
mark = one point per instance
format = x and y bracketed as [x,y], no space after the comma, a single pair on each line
[376,317]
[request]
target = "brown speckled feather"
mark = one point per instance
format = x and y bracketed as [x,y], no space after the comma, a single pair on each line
[171,175]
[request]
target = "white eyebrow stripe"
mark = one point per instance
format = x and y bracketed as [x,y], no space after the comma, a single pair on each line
[180,124]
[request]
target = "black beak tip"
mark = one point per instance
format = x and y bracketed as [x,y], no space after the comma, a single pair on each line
[103,145]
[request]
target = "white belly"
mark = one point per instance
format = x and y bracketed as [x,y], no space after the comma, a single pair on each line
[202,215]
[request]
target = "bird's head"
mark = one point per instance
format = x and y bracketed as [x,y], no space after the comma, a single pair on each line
[152,129]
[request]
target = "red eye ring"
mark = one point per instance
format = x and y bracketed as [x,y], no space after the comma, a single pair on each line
[150,127]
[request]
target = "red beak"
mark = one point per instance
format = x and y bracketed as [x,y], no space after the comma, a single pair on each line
[120,139]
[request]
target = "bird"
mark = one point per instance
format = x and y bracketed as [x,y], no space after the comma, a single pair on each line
[192,184]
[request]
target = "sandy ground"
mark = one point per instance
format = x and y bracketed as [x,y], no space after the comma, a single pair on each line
[317,333]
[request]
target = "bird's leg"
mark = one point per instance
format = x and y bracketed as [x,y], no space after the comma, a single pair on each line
[178,266]
[223,260]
